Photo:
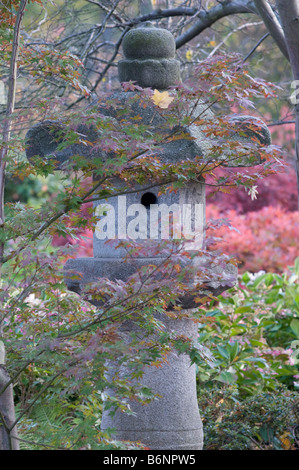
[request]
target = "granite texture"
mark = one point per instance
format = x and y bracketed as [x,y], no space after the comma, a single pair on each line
[196,143]
[159,74]
[91,269]
[44,138]
[121,211]
[148,42]
[149,58]
[172,420]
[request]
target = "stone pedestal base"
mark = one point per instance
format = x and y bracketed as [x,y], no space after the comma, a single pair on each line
[172,420]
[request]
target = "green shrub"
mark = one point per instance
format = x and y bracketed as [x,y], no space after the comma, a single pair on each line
[264,421]
[250,334]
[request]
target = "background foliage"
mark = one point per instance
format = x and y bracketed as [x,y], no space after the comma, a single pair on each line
[247,381]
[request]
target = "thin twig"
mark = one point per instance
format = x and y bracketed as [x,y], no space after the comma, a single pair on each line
[255,47]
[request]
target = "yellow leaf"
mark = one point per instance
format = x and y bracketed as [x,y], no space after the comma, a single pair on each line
[189,55]
[286,443]
[177,267]
[162,99]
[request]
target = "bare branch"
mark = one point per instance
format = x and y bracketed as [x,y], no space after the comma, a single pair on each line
[109,64]
[239,28]
[255,47]
[280,123]
[207,18]
[267,14]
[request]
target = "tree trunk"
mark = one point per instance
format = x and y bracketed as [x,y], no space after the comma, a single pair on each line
[271,22]
[289,15]
[8,433]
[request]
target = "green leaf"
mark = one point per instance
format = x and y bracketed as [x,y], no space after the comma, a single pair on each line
[284,371]
[226,377]
[266,433]
[223,352]
[237,330]
[268,279]
[257,360]
[255,342]
[246,277]
[243,309]
[233,351]
[259,280]
[278,279]
[215,313]
[295,326]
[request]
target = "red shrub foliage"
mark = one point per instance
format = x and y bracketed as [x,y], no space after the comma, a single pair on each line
[268,227]
[277,190]
[266,239]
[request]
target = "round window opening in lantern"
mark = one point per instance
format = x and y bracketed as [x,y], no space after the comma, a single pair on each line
[148,198]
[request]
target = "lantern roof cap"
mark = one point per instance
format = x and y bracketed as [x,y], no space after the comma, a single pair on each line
[149,58]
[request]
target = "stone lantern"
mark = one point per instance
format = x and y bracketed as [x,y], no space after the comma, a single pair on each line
[171,422]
